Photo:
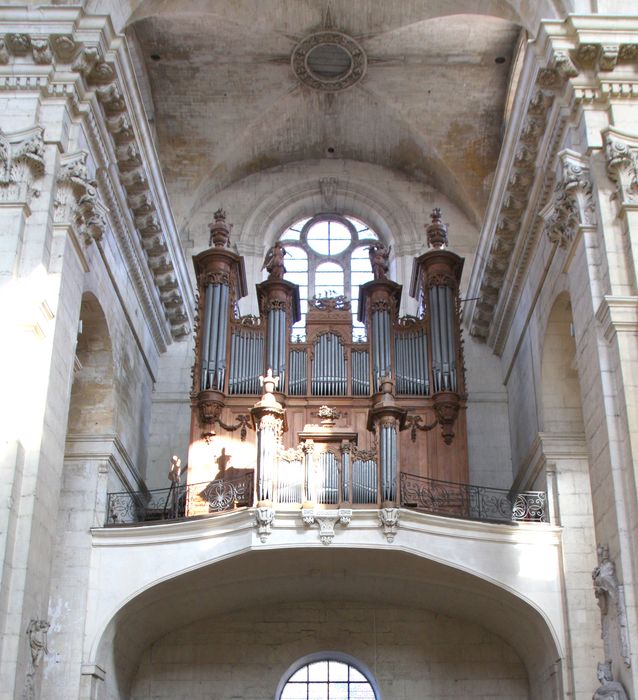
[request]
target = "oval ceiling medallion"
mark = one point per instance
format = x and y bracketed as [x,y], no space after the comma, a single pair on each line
[329,61]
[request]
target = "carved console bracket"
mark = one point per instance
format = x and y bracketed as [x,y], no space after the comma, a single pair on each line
[76,201]
[621,150]
[389,521]
[572,204]
[326,520]
[264,519]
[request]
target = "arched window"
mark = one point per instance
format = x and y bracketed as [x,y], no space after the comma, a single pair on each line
[327,676]
[327,256]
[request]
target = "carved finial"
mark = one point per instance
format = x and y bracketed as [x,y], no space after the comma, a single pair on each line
[219,230]
[437,231]
[268,382]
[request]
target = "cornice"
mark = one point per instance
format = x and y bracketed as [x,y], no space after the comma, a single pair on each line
[618,315]
[571,63]
[64,53]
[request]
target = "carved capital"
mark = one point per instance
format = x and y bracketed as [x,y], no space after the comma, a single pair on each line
[572,204]
[21,163]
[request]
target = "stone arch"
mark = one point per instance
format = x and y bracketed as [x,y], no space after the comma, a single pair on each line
[561,406]
[271,578]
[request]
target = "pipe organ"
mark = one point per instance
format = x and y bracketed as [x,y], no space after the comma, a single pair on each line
[328,420]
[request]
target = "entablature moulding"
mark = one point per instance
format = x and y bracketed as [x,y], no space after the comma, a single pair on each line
[581,63]
[63,53]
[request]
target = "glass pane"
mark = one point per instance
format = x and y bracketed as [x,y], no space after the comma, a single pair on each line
[338,671]
[295,691]
[356,676]
[317,691]
[290,235]
[318,671]
[329,237]
[300,278]
[361,691]
[338,691]
[300,675]
[357,264]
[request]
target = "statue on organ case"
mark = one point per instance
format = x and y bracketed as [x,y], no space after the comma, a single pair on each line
[274,262]
[379,255]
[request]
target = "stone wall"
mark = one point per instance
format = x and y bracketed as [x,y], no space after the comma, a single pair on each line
[411,653]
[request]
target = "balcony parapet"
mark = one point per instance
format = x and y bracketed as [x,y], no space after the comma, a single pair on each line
[442,498]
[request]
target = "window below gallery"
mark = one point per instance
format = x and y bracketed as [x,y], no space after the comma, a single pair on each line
[327,676]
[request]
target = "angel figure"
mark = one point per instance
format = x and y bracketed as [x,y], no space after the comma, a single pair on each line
[274,262]
[379,255]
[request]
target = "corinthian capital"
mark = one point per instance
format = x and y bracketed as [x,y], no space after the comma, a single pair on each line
[572,204]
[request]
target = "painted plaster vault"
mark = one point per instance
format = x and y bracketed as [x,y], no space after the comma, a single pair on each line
[125,126]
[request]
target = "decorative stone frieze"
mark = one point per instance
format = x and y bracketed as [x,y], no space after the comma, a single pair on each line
[326,520]
[575,65]
[621,150]
[81,66]
[21,164]
[572,205]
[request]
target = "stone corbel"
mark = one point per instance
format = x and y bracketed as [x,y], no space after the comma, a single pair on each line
[21,163]
[264,519]
[621,150]
[389,521]
[326,520]
[572,205]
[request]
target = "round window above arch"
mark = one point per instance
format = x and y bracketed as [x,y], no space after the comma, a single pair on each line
[327,676]
[327,255]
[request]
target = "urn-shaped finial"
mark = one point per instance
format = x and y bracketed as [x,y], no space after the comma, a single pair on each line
[219,230]
[437,231]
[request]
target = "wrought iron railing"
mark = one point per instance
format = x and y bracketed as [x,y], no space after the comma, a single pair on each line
[472,502]
[217,496]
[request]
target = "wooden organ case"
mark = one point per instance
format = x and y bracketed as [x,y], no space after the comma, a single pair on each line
[327,420]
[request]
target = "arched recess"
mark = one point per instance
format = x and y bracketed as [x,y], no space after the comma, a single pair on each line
[92,406]
[564,467]
[272,581]
[88,450]
[560,389]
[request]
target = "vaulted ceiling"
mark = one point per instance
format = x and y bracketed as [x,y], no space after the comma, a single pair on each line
[226,102]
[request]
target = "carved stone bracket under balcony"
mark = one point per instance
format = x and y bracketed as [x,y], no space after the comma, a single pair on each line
[264,518]
[389,521]
[326,520]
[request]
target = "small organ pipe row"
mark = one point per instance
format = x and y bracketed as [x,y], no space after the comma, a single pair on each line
[381,345]
[327,487]
[411,354]
[298,363]
[364,481]
[329,376]
[246,361]
[360,373]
